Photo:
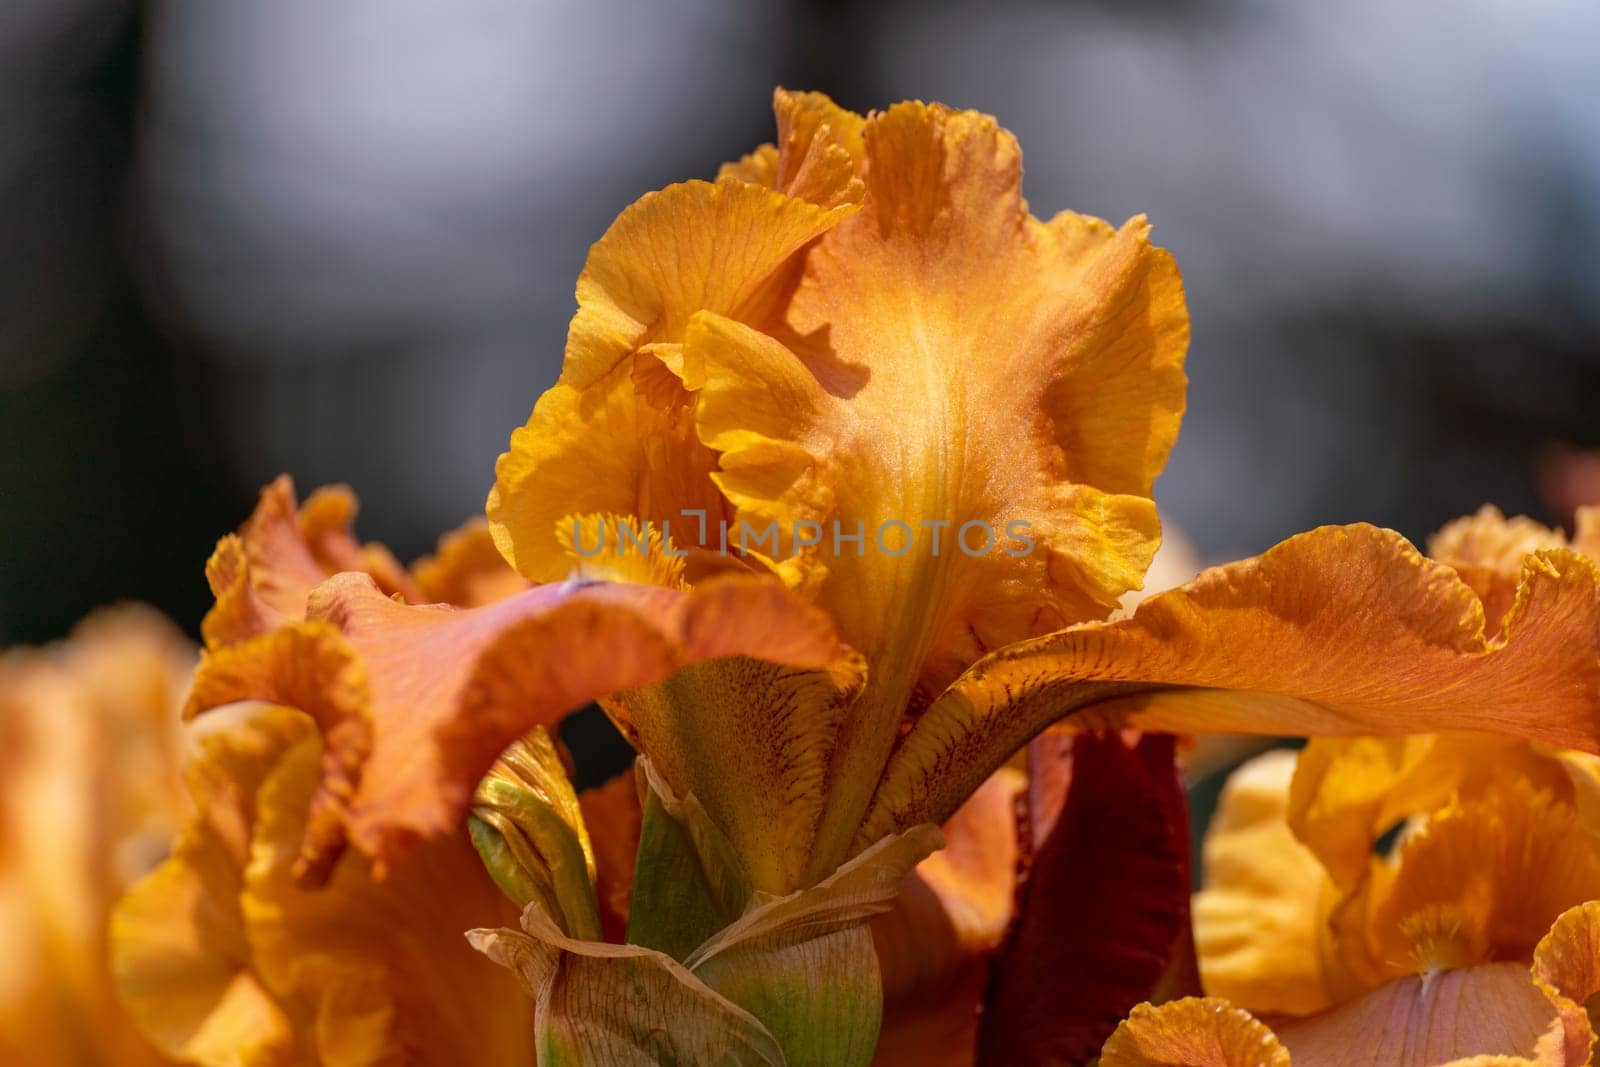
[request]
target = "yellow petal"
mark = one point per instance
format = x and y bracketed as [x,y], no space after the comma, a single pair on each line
[1193,1032]
[594,444]
[819,147]
[179,946]
[384,962]
[1348,792]
[1340,631]
[416,702]
[1483,880]
[1256,920]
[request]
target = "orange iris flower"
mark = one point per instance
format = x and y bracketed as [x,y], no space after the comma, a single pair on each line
[930,424]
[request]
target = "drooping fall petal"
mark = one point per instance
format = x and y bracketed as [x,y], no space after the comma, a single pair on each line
[1340,631]
[224,959]
[416,702]
[1104,905]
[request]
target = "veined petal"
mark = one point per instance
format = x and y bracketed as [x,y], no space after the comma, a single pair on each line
[1340,631]
[1256,921]
[753,742]
[820,145]
[262,575]
[1104,906]
[416,702]
[622,1005]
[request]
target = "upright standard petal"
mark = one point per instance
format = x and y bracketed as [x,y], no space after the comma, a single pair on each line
[958,423]
[616,434]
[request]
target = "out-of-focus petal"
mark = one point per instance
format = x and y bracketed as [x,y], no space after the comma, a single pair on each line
[262,575]
[1193,1032]
[90,798]
[1256,920]
[1339,631]
[416,702]
[224,959]
[1104,906]
[468,570]
[1482,880]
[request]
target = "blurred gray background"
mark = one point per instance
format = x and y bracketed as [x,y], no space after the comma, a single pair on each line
[239,237]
